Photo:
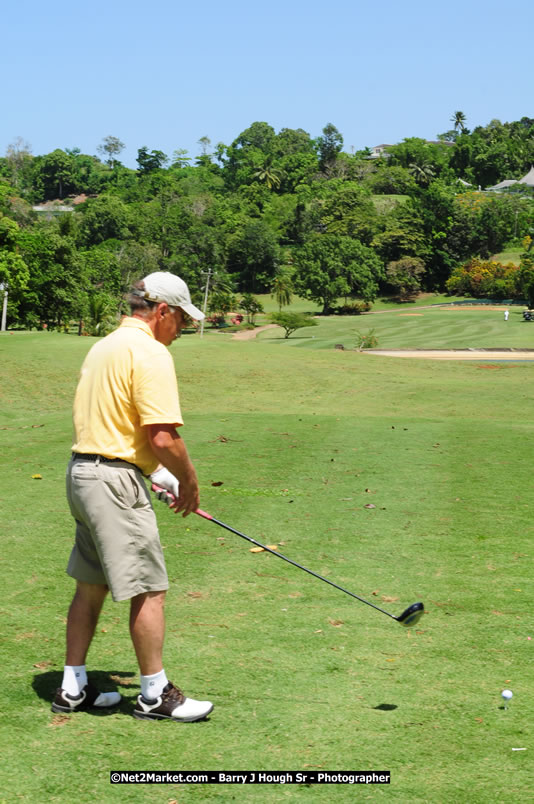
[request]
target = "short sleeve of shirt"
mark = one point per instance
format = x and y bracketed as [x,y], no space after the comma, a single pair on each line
[155,390]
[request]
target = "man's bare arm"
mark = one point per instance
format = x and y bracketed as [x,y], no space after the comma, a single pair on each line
[170,450]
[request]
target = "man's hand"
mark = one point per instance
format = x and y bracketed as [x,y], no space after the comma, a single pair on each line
[162,494]
[165,480]
[171,451]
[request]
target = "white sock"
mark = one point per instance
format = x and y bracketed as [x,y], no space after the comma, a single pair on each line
[153,686]
[74,679]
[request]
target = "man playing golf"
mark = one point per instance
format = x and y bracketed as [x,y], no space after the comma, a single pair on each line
[126,411]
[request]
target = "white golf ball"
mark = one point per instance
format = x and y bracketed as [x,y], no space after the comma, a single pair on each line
[507,694]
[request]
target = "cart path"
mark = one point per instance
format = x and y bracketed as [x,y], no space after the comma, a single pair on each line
[249,334]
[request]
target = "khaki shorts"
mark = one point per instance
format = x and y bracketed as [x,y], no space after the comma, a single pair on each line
[117,540]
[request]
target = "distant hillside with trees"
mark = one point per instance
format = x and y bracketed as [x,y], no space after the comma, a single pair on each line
[278,212]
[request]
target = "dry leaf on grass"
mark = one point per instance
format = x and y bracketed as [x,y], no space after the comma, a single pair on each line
[123,681]
[336,623]
[59,720]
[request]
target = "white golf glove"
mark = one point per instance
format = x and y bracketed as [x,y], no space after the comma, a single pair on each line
[165,480]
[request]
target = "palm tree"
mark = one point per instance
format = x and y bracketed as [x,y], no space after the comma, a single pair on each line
[100,319]
[267,174]
[422,173]
[282,289]
[459,121]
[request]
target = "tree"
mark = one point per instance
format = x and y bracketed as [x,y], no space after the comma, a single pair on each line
[346,208]
[111,148]
[221,301]
[204,158]
[402,234]
[414,152]
[268,174]
[19,157]
[180,158]
[458,119]
[205,143]
[329,266]
[247,154]
[56,288]
[149,161]
[54,174]
[404,276]
[101,315]
[525,280]
[328,146]
[252,256]
[422,173]
[290,322]
[282,289]
[104,218]
[251,306]
[14,273]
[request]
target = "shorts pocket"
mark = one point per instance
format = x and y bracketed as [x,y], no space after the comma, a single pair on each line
[120,485]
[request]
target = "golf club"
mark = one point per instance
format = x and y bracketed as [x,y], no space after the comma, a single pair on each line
[409,616]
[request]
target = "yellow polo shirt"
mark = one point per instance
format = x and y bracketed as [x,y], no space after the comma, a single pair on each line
[126,382]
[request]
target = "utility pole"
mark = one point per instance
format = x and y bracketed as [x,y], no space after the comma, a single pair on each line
[208,277]
[4,308]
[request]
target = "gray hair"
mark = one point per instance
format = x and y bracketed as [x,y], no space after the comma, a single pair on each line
[137,301]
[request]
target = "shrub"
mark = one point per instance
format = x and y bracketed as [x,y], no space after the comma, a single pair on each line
[353,308]
[366,340]
[217,320]
[251,305]
[484,279]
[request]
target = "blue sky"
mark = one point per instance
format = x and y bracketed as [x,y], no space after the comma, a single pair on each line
[164,74]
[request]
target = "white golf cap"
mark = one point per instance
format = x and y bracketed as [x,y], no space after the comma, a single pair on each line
[163,286]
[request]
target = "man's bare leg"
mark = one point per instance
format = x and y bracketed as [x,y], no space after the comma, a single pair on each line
[82,619]
[147,629]
[159,698]
[75,692]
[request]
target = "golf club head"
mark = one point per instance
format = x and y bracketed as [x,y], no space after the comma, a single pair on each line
[411,615]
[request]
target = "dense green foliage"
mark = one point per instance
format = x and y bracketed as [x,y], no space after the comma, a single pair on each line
[491,279]
[276,213]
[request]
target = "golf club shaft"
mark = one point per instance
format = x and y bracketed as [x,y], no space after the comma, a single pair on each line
[211,518]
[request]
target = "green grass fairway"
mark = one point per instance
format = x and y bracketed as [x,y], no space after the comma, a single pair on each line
[303,677]
[426,328]
[509,255]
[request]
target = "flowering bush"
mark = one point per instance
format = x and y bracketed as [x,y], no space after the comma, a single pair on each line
[483,279]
